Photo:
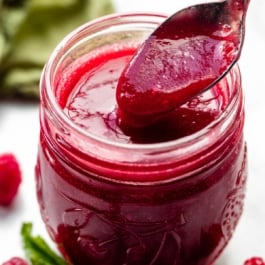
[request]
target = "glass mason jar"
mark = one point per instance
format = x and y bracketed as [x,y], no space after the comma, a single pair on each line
[110,203]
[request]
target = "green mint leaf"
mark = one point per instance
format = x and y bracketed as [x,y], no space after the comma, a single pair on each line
[37,250]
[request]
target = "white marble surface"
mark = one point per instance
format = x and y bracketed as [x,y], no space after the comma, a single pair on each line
[19,134]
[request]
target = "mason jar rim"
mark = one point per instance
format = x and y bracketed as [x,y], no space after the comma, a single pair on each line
[196,139]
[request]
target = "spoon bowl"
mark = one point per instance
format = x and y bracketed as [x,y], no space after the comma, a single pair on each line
[186,55]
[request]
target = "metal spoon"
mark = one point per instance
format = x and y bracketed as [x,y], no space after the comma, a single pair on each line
[186,55]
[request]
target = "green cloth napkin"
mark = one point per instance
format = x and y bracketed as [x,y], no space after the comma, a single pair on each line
[30,30]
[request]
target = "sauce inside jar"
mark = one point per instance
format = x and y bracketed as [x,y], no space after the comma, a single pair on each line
[167,194]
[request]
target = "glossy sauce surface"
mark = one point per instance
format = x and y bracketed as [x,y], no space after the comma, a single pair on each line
[92,105]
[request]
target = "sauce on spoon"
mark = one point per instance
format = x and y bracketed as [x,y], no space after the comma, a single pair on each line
[191,51]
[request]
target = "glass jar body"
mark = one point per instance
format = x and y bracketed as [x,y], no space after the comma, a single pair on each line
[102,202]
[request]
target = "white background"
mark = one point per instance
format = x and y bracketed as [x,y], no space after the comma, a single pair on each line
[19,134]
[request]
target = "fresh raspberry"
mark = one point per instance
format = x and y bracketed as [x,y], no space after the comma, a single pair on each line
[10,178]
[255,261]
[15,261]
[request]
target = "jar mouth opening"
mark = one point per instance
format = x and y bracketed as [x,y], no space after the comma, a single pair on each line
[197,138]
